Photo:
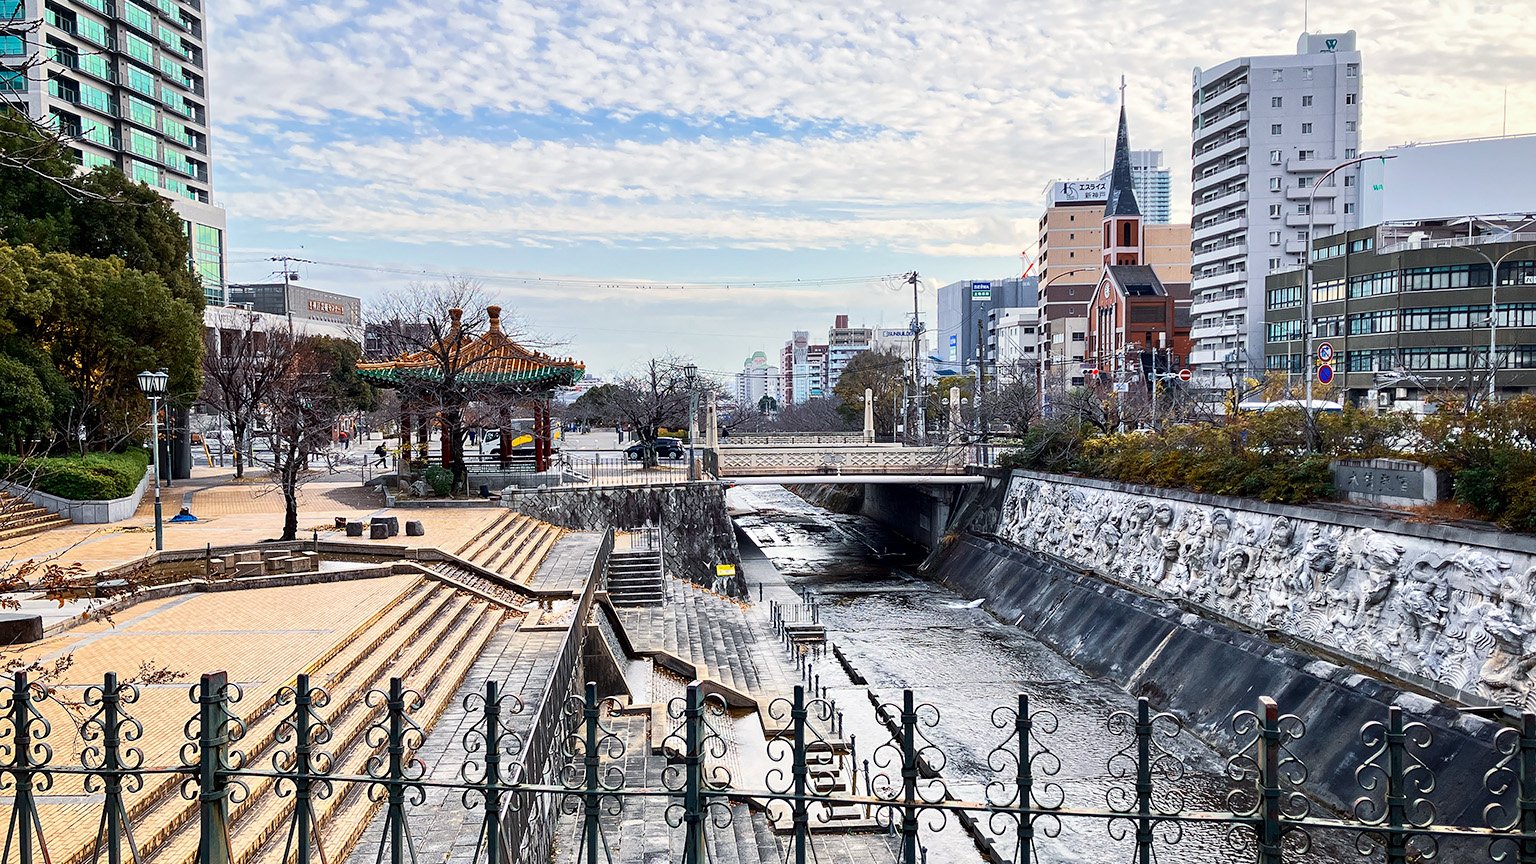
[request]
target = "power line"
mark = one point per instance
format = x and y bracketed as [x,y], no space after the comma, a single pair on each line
[545,281]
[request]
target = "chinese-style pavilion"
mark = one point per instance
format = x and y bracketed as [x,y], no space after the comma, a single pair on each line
[490,369]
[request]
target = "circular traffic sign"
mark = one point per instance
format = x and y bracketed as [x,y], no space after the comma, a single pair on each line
[1185,374]
[1324,373]
[1325,352]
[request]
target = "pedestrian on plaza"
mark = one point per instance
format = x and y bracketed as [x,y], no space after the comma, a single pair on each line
[379,451]
[346,440]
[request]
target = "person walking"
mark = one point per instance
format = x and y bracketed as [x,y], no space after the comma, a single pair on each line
[379,451]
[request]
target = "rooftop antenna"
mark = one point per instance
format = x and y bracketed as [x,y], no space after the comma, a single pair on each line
[1506,112]
[1306,16]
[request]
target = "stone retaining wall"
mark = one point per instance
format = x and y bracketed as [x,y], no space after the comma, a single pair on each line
[1454,606]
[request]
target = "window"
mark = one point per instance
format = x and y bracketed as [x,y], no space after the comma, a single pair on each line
[1352,70]
[1329,291]
[1329,327]
[11,10]
[13,81]
[1350,98]
[143,144]
[139,49]
[1274,264]
[141,112]
[1283,331]
[1306,155]
[1373,284]
[1276,156]
[1454,276]
[89,29]
[100,133]
[1349,126]
[1275,129]
[1274,184]
[142,173]
[11,44]
[93,160]
[1306,101]
[1306,128]
[1303,182]
[1349,179]
[138,17]
[1284,298]
[1349,152]
[1306,74]
[1274,238]
[1303,209]
[1079,337]
[1276,75]
[1274,211]
[140,81]
[1302,236]
[1349,207]
[1276,101]
[95,97]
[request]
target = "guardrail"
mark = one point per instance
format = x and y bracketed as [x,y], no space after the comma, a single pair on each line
[839,459]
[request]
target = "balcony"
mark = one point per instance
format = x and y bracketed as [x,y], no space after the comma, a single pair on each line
[1223,201]
[1320,220]
[1218,229]
[1305,166]
[1323,193]
[1204,357]
[1296,247]
[1221,124]
[1219,300]
[1227,327]
[1239,90]
[1220,278]
[1216,178]
[1220,151]
[1219,253]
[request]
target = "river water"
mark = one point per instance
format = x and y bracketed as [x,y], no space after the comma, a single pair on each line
[901,631]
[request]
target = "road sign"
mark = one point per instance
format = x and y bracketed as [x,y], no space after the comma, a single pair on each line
[1185,374]
[1325,352]
[1324,373]
[1122,387]
[724,570]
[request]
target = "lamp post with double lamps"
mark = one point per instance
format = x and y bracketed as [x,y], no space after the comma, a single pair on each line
[1306,290]
[1493,309]
[691,375]
[153,385]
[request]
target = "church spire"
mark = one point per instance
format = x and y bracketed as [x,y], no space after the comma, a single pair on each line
[1122,197]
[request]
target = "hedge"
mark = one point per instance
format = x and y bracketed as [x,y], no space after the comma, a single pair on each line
[93,477]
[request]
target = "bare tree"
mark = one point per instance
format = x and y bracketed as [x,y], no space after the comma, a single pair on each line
[241,370]
[302,407]
[1016,400]
[654,397]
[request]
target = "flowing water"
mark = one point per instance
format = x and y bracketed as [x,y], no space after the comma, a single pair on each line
[901,631]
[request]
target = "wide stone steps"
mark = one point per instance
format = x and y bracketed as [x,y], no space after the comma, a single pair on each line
[635,579]
[429,636]
[21,518]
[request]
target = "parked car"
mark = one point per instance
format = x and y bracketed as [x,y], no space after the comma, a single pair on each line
[666,448]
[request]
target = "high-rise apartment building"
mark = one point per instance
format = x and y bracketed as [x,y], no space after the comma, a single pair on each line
[1265,131]
[843,343]
[125,82]
[1153,182]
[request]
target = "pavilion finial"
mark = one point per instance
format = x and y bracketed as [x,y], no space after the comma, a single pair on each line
[494,313]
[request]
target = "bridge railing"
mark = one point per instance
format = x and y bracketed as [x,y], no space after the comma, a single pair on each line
[792,439]
[738,461]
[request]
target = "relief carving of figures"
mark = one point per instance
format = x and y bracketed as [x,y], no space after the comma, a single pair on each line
[1510,620]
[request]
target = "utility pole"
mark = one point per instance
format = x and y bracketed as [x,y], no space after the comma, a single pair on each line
[917,343]
[981,378]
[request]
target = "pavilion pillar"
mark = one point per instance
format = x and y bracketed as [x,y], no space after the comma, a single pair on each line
[541,443]
[423,427]
[505,431]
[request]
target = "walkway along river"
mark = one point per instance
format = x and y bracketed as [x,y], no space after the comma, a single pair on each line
[900,631]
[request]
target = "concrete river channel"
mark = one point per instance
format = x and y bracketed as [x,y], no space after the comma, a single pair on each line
[899,631]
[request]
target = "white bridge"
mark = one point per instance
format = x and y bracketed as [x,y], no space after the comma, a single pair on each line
[776,459]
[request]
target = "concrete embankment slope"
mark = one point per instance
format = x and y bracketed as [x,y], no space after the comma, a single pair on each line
[1205,672]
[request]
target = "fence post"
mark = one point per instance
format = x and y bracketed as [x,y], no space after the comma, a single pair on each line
[1143,781]
[395,811]
[1269,836]
[212,762]
[1397,792]
[1527,800]
[1025,781]
[590,811]
[25,826]
[693,790]
[797,714]
[303,719]
[492,794]
[908,779]
[113,815]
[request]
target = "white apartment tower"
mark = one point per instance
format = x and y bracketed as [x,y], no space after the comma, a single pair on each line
[1266,129]
[125,83]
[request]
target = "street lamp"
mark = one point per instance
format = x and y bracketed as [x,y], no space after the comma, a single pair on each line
[691,374]
[1493,309]
[1306,290]
[153,385]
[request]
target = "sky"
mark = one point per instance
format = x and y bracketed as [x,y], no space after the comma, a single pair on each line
[636,178]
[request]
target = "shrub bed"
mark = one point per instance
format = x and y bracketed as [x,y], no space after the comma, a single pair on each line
[93,477]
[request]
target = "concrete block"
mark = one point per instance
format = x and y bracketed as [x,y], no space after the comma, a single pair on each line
[276,565]
[355,528]
[378,531]
[313,558]
[249,556]
[341,521]
[215,565]
[414,528]
[19,628]
[249,568]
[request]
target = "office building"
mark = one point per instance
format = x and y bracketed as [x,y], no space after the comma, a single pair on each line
[843,344]
[757,385]
[125,82]
[1265,131]
[1011,337]
[1405,310]
[1133,313]
[963,308]
[281,305]
[1153,183]
[794,369]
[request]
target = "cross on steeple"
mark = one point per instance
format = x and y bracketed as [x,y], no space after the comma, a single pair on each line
[1122,91]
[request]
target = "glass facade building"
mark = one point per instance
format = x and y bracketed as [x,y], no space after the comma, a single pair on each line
[124,82]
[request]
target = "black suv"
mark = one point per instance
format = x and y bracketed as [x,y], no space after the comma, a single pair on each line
[666,448]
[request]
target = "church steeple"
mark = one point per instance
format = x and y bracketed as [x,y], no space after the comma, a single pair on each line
[1122,197]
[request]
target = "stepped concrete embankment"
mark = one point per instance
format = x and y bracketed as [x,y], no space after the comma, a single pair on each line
[1205,672]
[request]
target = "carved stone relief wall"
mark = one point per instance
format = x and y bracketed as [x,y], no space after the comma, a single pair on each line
[1459,609]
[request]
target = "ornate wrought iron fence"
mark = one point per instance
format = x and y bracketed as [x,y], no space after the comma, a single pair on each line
[1268,816]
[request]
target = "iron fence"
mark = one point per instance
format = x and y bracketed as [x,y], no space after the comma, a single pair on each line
[1268,817]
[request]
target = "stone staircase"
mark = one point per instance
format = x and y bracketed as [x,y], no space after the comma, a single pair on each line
[635,578]
[21,518]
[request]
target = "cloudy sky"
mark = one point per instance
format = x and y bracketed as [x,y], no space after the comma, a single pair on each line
[776,157]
